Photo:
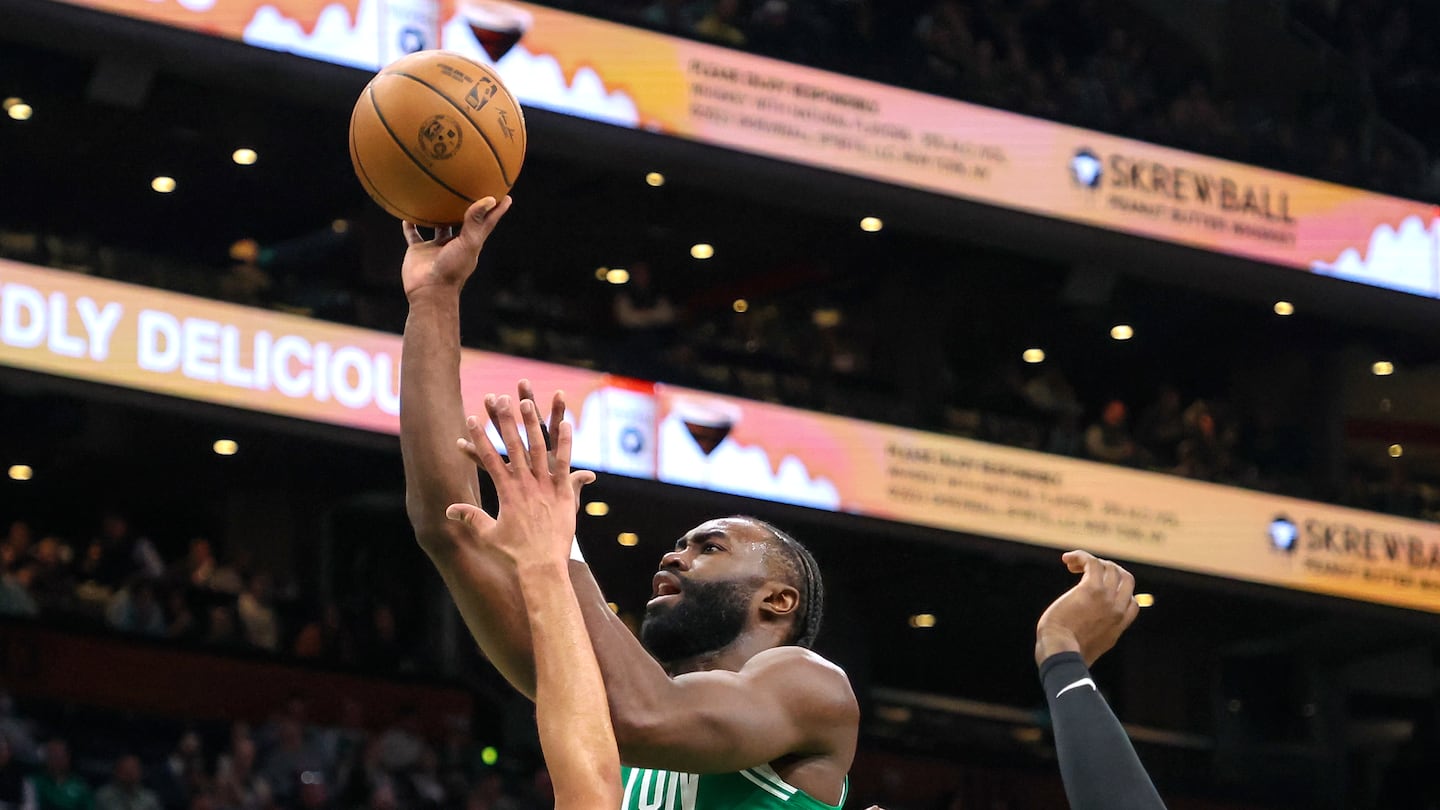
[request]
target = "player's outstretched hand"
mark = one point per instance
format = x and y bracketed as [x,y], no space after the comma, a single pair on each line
[538,493]
[1089,617]
[447,260]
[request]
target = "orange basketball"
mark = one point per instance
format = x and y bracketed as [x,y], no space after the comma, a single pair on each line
[433,133]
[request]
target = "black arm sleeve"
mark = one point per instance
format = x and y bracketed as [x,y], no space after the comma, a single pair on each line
[1097,762]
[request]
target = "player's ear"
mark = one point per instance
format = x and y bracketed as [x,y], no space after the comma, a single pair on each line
[779,600]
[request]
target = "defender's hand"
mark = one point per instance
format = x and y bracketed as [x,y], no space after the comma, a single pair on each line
[1089,617]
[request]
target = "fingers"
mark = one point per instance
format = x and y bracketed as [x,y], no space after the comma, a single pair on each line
[467,513]
[1093,566]
[535,437]
[502,416]
[527,391]
[412,233]
[564,444]
[557,413]
[1076,560]
[480,449]
[579,480]
[481,219]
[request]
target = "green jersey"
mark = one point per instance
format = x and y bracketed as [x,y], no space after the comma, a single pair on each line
[751,789]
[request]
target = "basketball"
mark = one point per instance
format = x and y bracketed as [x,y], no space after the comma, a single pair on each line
[432,133]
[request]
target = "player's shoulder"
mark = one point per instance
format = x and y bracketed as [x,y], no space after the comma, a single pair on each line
[821,682]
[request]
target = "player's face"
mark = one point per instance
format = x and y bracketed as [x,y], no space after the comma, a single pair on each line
[701,601]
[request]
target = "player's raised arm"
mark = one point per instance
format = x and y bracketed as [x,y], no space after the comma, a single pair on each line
[538,499]
[1097,761]
[431,419]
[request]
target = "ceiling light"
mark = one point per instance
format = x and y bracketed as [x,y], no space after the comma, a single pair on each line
[655,179]
[614,608]
[1122,331]
[597,509]
[11,102]
[1396,451]
[871,224]
[1382,368]
[740,305]
[826,317]
[163,184]
[1284,308]
[20,112]
[21,472]
[1145,599]
[245,157]
[628,539]
[602,274]
[1033,356]
[702,251]
[922,621]
[617,275]
[340,226]
[225,447]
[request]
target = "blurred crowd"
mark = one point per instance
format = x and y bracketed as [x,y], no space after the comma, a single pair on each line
[1103,64]
[64,758]
[118,578]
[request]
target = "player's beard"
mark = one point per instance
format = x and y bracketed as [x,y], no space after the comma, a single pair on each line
[707,617]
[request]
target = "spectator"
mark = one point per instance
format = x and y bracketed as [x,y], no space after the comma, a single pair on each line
[293,757]
[53,584]
[647,319]
[257,614]
[1162,427]
[721,24]
[1050,393]
[134,609]
[182,625]
[57,787]
[18,732]
[383,648]
[237,785]
[125,791]
[1202,455]
[185,771]
[221,631]
[401,745]
[15,792]
[1109,439]
[15,547]
[116,554]
[15,598]
[327,638]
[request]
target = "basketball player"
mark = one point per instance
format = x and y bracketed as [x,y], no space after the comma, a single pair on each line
[1097,762]
[723,705]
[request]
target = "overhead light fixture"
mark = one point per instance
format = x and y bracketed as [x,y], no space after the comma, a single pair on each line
[1284,308]
[740,305]
[163,184]
[1122,331]
[21,472]
[655,179]
[225,447]
[602,274]
[628,539]
[20,111]
[1396,451]
[1145,600]
[245,157]
[922,621]
[614,608]
[1382,368]
[872,224]
[617,275]
[1033,356]
[340,226]
[11,101]
[597,509]
[702,251]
